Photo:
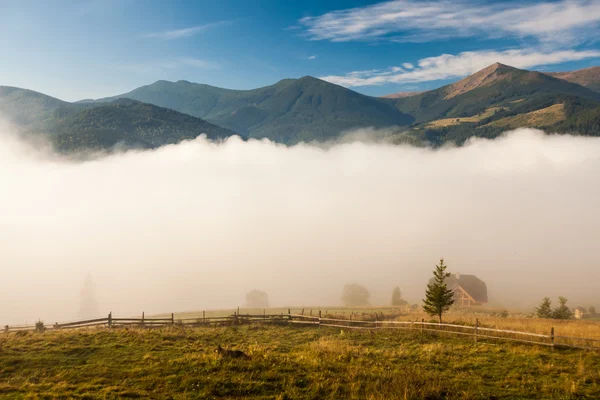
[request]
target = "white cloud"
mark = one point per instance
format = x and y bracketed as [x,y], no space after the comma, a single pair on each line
[184,32]
[447,66]
[158,66]
[408,66]
[421,20]
[312,57]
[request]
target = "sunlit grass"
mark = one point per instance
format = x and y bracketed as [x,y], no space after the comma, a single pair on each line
[286,363]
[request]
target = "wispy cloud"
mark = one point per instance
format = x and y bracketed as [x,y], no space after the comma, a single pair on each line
[158,66]
[184,32]
[312,57]
[448,66]
[424,20]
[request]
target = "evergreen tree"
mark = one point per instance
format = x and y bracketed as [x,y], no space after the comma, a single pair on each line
[438,298]
[592,310]
[397,299]
[562,312]
[544,310]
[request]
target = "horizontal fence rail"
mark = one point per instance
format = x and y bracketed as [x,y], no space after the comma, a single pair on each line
[476,332]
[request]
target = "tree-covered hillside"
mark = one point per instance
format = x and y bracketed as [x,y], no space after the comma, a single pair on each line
[289,111]
[130,123]
[76,126]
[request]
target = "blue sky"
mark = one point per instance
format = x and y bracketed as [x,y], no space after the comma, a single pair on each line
[90,49]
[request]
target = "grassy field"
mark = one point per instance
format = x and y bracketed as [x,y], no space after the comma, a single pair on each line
[438,123]
[587,328]
[286,363]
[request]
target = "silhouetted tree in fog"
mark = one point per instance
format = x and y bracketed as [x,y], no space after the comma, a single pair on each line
[257,299]
[355,295]
[89,306]
[397,299]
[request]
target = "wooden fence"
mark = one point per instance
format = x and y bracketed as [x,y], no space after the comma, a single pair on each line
[476,332]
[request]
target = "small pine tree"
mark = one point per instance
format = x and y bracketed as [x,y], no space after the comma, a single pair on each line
[397,299]
[592,310]
[562,312]
[438,298]
[545,309]
[39,326]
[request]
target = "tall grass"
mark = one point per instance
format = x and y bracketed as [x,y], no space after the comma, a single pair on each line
[286,363]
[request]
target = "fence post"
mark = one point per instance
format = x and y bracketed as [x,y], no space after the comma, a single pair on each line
[143,315]
[110,320]
[303,311]
[319,318]
[422,323]
[311,313]
[552,337]
[289,314]
[172,318]
[376,321]
[476,327]
[204,317]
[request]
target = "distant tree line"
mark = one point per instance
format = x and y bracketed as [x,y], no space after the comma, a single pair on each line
[544,310]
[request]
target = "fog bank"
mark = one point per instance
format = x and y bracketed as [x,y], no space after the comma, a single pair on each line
[197,225]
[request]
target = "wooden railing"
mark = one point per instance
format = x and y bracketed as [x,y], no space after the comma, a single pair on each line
[476,332]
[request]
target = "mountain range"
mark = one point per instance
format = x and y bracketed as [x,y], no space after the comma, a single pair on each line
[79,126]
[484,104]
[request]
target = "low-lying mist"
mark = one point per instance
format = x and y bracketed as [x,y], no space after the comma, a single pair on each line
[197,225]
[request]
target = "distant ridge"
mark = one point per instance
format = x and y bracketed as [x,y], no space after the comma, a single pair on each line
[401,95]
[289,111]
[85,126]
[308,109]
[587,77]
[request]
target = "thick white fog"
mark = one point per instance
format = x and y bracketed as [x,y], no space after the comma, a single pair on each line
[197,225]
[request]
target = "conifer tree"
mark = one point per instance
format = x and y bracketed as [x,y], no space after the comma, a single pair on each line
[438,298]
[545,309]
[562,312]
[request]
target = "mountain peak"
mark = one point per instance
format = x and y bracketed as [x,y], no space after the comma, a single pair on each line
[484,77]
